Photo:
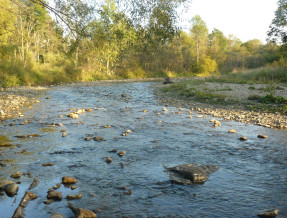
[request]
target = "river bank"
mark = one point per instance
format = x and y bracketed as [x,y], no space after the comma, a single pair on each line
[12,100]
[235,99]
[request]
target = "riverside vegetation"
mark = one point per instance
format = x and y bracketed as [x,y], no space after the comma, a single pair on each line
[103,41]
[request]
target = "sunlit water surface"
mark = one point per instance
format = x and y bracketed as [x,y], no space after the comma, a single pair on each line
[252,174]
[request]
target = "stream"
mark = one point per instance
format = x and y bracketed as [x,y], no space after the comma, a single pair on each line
[252,174]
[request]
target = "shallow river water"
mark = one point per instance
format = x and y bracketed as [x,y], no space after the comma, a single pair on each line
[252,175]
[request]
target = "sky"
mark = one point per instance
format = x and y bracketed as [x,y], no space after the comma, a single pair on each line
[245,19]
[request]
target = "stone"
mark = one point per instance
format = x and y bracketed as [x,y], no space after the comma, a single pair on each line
[73,187]
[89,138]
[232,131]
[48,164]
[216,123]
[74,197]
[243,138]
[191,173]
[5,144]
[262,136]
[108,160]
[82,213]
[57,186]
[11,189]
[57,215]
[89,110]
[64,134]
[54,195]
[69,180]
[33,184]
[99,139]
[16,175]
[121,153]
[269,213]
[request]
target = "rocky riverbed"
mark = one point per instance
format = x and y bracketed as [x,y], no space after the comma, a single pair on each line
[12,100]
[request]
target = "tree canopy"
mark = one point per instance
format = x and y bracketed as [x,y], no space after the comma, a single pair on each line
[278,29]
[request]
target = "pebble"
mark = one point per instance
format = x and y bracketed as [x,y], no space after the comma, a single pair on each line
[232,131]
[16,175]
[74,197]
[69,180]
[64,134]
[48,164]
[108,160]
[121,153]
[99,139]
[262,136]
[243,138]
[269,213]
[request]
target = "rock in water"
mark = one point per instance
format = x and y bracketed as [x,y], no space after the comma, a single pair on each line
[82,213]
[54,195]
[11,189]
[69,180]
[191,173]
[269,213]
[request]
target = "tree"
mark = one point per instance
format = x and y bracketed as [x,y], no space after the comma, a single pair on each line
[199,34]
[278,29]
[217,47]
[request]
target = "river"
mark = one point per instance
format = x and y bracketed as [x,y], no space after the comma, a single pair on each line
[252,175]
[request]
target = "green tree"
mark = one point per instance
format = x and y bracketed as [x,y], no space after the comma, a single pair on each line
[199,34]
[278,28]
[217,47]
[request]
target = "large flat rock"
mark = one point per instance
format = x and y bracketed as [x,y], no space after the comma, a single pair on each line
[187,174]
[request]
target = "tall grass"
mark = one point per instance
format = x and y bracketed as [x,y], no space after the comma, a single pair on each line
[264,75]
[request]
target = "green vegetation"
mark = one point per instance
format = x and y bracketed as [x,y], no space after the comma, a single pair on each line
[258,76]
[139,39]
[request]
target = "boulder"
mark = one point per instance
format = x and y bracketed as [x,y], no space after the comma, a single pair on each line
[11,189]
[191,173]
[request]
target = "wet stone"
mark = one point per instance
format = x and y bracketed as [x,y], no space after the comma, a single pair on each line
[81,213]
[11,189]
[269,213]
[54,195]
[69,180]
[74,197]
[48,164]
[243,138]
[121,153]
[108,160]
[191,173]
[99,139]
[232,131]
[262,136]
[57,215]
[16,175]
[5,144]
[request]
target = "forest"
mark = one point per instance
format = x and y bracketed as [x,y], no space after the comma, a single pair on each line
[42,44]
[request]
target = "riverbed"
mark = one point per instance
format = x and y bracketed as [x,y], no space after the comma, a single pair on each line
[252,175]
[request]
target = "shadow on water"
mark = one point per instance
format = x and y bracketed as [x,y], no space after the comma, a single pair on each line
[252,174]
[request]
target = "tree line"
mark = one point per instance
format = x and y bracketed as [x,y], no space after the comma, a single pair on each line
[41,44]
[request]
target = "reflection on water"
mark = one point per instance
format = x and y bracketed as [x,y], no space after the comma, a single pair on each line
[252,174]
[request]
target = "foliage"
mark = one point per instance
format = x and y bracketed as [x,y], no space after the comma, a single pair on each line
[278,28]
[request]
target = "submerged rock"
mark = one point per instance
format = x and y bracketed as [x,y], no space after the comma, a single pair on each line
[82,213]
[57,215]
[262,136]
[269,213]
[54,195]
[74,197]
[191,173]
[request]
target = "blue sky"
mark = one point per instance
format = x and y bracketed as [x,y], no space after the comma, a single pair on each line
[245,19]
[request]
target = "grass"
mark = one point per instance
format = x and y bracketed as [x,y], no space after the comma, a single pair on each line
[265,75]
